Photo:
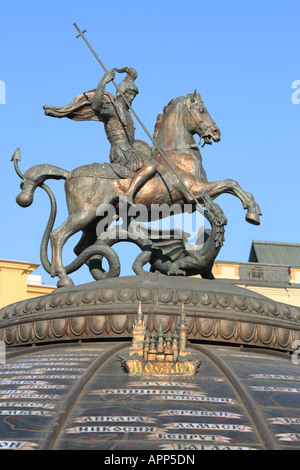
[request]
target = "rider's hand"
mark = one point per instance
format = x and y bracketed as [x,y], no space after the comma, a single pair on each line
[109,75]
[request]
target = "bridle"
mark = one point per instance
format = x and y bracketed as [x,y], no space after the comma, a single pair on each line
[204,132]
[192,146]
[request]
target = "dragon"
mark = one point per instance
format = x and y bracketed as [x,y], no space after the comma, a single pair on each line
[174,256]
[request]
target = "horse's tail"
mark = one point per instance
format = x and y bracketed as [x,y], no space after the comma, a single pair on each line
[35,177]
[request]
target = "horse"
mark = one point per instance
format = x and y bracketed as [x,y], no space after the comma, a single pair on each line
[179,179]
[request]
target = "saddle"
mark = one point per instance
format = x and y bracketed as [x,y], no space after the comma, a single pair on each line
[111,170]
[101,170]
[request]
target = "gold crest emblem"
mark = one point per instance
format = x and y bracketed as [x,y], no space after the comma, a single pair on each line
[160,354]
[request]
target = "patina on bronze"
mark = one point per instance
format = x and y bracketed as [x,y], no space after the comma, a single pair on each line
[169,173]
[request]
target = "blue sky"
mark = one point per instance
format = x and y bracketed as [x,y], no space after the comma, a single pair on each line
[241,55]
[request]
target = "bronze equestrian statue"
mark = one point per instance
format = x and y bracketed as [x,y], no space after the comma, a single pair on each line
[169,173]
[90,186]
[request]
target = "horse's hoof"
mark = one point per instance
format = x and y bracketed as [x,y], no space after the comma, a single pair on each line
[252,218]
[65,282]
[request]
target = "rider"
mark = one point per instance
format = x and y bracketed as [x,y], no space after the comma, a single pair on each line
[119,128]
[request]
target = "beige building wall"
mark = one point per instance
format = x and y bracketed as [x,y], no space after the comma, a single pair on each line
[17,283]
[288,294]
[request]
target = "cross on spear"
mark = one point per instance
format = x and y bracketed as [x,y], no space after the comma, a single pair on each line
[81,34]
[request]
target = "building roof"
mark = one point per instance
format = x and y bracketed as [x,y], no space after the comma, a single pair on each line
[287,254]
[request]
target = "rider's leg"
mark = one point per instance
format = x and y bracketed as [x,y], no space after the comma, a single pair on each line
[147,170]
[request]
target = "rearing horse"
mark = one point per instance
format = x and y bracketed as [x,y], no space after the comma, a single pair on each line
[89,186]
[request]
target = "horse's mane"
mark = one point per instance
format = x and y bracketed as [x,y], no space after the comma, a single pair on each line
[161,117]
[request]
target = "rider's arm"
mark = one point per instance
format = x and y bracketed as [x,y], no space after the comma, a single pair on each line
[98,99]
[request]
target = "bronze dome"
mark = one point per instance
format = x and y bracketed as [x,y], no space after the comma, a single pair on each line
[63,385]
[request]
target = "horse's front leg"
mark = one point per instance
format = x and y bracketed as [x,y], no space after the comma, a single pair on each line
[214,189]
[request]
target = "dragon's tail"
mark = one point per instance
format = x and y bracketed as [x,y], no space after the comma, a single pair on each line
[36,176]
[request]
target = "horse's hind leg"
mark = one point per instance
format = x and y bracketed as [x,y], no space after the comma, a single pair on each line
[230,186]
[73,224]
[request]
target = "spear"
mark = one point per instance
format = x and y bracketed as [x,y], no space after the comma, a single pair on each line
[81,34]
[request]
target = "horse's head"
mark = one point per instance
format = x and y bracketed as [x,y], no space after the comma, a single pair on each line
[200,121]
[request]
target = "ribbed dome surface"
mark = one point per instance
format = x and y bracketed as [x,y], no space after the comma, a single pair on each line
[63,385]
[79,397]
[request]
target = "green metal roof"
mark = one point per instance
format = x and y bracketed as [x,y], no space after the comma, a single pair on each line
[287,254]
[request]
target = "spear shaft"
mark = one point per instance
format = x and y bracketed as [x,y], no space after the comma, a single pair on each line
[81,34]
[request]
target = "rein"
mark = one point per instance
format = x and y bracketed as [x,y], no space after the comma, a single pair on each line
[204,132]
[186,147]
[175,149]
